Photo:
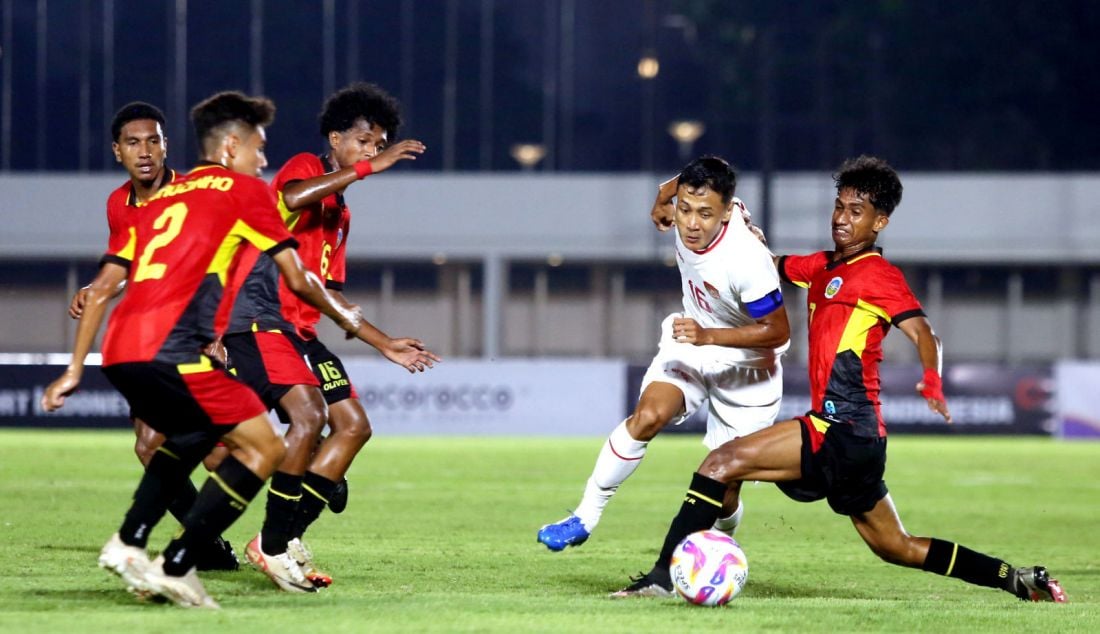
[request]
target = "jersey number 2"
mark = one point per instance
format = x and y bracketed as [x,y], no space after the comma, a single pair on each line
[173,217]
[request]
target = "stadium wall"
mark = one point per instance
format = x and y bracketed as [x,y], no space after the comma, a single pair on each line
[585,397]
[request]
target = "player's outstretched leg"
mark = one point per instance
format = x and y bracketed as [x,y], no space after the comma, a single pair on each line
[881,528]
[619,458]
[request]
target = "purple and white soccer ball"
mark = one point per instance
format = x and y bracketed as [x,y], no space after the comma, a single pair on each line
[709,568]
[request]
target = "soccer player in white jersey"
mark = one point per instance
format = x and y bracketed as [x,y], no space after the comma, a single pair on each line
[722,352]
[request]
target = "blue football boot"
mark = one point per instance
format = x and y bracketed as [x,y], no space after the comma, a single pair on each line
[568,532]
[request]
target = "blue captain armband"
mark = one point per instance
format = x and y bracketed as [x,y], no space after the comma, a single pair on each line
[765,305]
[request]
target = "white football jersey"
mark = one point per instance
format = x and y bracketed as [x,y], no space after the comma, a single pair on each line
[722,280]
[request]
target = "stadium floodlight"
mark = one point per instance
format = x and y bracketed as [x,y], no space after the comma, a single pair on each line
[648,66]
[528,154]
[686,132]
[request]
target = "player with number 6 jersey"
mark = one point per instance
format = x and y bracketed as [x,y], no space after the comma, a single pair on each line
[357,123]
[722,352]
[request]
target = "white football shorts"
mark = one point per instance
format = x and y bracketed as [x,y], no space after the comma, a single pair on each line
[739,399]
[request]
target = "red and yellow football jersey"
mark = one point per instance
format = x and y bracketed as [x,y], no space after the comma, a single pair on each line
[180,249]
[852,304]
[121,204]
[321,231]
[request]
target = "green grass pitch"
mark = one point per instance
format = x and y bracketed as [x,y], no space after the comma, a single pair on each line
[440,536]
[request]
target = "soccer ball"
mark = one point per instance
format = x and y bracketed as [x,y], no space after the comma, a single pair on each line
[709,568]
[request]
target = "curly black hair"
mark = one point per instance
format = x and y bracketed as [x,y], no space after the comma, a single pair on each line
[713,172]
[210,114]
[134,111]
[872,177]
[360,100]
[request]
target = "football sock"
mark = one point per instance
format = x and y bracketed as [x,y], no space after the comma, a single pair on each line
[223,498]
[316,491]
[952,560]
[728,525]
[283,495]
[618,458]
[185,499]
[164,476]
[702,505]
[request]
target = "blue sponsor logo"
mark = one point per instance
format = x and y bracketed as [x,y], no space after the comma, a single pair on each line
[830,407]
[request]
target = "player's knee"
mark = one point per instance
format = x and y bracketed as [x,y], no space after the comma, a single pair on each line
[718,466]
[727,462]
[144,450]
[273,450]
[646,423]
[351,423]
[307,418]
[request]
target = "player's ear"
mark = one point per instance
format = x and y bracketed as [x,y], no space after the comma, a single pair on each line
[231,144]
[881,220]
[728,213]
[116,150]
[333,139]
[164,145]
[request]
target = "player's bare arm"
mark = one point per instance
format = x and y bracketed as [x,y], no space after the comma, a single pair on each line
[100,291]
[76,307]
[309,287]
[300,194]
[664,208]
[406,352]
[930,350]
[770,331]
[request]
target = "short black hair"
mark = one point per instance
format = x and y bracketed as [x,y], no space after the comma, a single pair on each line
[214,112]
[134,111]
[713,172]
[360,100]
[872,177]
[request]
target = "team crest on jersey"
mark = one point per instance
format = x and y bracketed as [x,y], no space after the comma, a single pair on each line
[339,236]
[713,292]
[833,287]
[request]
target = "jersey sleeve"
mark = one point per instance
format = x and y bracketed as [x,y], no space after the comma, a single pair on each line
[800,269]
[755,279]
[123,238]
[259,222]
[299,168]
[892,296]
[337,269]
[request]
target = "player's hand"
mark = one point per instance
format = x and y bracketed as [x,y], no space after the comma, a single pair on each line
[217,352]
[409,354]
[663,214]
[406,150]
[687,330]
[936,402]
[54,396]
[76,307]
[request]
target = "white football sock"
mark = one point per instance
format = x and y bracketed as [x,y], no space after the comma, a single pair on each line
[729,524]
[618,458]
